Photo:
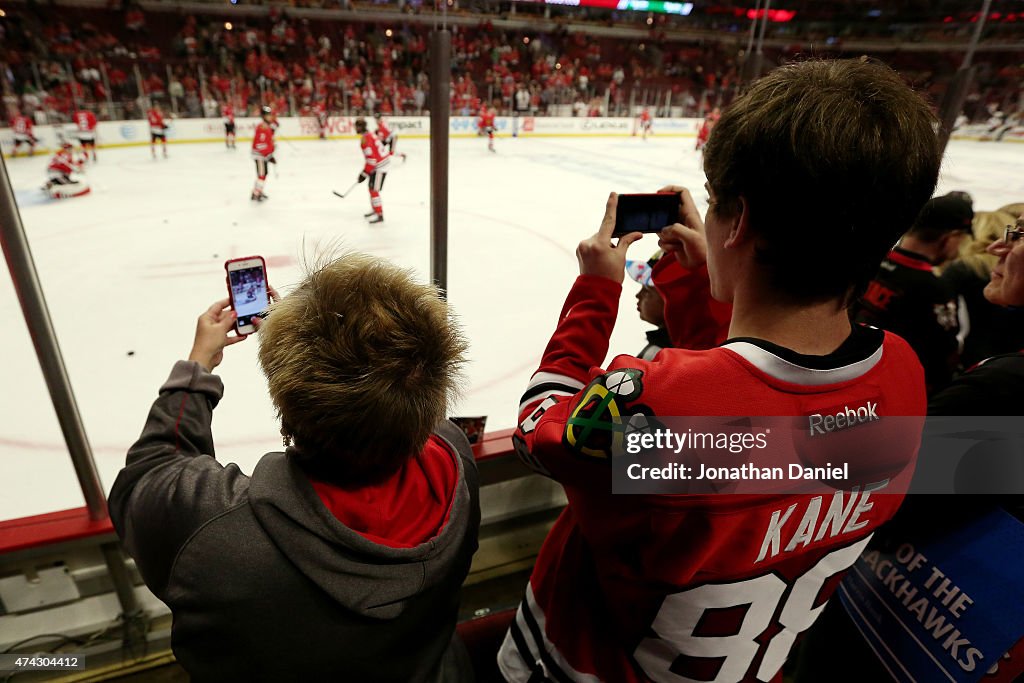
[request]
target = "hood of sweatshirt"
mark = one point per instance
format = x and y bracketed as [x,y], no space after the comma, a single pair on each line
[380,556]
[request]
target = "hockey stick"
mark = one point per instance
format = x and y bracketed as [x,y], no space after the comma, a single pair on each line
[342,194]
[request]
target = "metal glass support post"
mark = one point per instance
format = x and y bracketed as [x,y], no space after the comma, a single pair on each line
[956,93]
[440,79]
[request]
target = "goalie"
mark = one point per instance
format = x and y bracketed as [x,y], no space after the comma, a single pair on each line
[64,174]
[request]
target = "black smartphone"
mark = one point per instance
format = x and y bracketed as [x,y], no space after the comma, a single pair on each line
[645,212]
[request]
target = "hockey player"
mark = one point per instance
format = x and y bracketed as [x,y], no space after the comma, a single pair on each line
[320,113]
[706,127]
[375,169]
[664,587]
[228,112]
[85,122]
[645,122]
[63,179]
[263,150]
[388,138]
[21,125]
[485,124]
[157,130]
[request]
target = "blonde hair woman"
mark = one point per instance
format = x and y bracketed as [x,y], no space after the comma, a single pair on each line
[986,329]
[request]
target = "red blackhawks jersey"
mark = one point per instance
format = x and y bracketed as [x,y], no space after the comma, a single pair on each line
[377,159]
[156,121]
[86,121]
[22,126]
[383,132]
[263,141]
[486,119]
[63,163]
[631,588]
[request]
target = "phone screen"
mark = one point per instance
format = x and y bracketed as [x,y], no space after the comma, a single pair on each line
[248,293]
[645,212]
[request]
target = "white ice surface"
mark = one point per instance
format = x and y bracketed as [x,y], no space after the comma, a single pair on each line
[130,266]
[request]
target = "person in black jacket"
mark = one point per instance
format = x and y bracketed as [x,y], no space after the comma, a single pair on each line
[342,557]
[834,649]
[907,298]
[986,328]
[996,385]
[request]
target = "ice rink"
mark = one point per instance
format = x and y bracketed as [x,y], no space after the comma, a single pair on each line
[127,269]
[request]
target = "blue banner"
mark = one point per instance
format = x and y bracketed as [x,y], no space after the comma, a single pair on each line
[941,605]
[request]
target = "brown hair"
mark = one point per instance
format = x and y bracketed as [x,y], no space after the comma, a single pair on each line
[362,363]
[834,160]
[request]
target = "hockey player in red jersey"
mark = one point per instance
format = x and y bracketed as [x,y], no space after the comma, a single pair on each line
[263,150]
[21,126]
[718,587]
[85,121]
[157,130]
[63,179]
[375,169]
[485,124]
[706,127]
[228,112]
[645,122]
[320,113]
[387,137]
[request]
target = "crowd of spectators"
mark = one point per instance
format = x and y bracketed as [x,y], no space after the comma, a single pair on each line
[114,62]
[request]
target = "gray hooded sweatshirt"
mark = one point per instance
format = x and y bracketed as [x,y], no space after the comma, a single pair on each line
[263,581]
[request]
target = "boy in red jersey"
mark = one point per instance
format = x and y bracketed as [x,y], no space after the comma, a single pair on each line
[486,125]
[22,128]
[228,112]
[263,151]
[718,587]
[85,121]
[157,130]
[375,169]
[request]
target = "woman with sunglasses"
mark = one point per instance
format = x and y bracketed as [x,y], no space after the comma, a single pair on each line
[835,649]
[994,386]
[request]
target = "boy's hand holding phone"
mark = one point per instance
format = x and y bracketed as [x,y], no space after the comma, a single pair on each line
[212,330]
[685,238]
[598,256]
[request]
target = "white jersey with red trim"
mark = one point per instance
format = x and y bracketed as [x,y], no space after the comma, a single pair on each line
[637,588]
[376,157]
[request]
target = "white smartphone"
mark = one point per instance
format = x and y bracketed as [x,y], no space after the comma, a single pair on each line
[247,286]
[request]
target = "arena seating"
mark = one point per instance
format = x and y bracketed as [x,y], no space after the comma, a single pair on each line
[374,58]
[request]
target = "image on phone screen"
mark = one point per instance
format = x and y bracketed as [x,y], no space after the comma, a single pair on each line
[248,293]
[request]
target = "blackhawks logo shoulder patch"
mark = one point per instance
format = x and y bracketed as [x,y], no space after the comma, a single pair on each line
[603,415]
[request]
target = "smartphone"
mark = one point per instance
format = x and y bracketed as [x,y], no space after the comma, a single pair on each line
[646,212]
[247,286]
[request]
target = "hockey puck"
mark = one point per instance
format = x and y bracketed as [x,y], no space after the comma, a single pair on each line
[131,353]
[165,220]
